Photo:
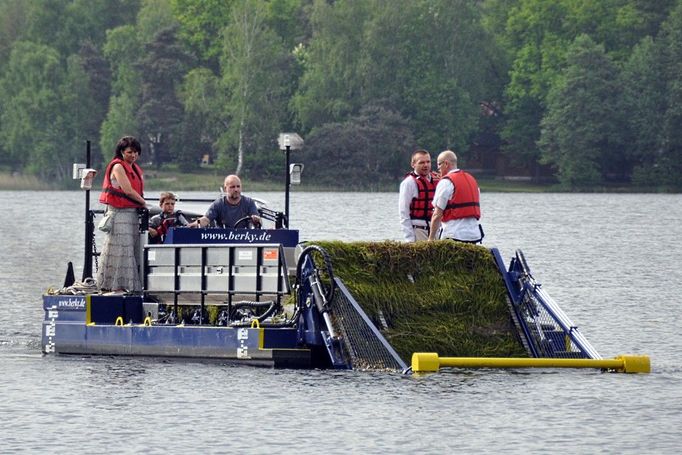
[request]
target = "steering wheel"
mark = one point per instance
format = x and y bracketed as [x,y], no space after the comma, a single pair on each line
[247,222]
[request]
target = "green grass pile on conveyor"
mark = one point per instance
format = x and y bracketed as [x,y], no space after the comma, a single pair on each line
[445,297]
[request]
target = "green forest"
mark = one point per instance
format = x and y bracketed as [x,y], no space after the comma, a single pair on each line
[582,93]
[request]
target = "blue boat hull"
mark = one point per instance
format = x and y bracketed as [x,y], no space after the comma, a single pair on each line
[95,325]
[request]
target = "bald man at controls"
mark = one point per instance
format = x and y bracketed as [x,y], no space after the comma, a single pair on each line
[233,206]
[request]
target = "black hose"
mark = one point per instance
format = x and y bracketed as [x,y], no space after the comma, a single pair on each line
[250,304]
[270,311]
[307,251]
[271,306]
[267,314]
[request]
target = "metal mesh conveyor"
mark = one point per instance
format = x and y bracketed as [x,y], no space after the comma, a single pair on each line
[350,336]
[546,329]
[364,343]
[547,335]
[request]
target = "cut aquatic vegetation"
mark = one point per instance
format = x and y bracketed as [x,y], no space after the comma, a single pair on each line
[443,296]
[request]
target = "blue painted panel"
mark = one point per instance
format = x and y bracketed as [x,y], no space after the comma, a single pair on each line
[173,341]
[64,337]
[286,237]
[64,302]
[54,313]
[280,338]
[108,339]
[105,309]
[191,341]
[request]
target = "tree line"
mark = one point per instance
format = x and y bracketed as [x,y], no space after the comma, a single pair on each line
[590,90]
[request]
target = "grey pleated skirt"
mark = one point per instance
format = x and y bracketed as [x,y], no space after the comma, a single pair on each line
[118,265]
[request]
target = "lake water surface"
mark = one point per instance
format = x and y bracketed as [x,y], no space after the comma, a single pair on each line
[611,261]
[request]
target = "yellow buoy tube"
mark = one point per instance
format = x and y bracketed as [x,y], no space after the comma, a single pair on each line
[430,361]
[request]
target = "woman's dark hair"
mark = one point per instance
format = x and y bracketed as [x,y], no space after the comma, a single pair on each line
[124,143]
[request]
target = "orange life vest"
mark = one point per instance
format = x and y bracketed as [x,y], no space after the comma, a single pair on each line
[115,197]
[421,207]
[465,200]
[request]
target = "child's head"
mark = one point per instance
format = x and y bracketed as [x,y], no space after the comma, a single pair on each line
[167,202]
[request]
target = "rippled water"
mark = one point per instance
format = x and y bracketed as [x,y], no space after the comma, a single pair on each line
[611,261]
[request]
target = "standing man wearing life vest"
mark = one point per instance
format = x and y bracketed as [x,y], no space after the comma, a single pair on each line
[414,200]
[456,203]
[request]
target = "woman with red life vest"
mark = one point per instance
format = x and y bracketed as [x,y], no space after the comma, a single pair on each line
[122,192]
[456,204]
[414,199]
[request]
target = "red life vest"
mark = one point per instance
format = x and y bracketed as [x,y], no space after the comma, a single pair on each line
[175,219]
[421,207]
[115,197]
[465,200]
[162,230]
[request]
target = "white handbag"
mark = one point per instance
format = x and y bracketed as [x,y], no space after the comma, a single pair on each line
[107,222]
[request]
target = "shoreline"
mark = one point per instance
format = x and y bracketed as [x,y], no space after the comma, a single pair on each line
[167,181]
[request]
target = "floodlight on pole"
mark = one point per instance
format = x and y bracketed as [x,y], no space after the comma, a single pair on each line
[288,142]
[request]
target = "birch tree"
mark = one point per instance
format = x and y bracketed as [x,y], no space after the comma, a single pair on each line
[254,72]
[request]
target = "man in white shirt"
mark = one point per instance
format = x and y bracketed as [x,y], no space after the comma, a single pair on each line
[456,203]
[414,200]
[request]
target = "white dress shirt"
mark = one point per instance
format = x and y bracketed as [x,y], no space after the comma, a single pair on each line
[461,229]
[408,191]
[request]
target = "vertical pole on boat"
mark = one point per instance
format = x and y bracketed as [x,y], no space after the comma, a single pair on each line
[287,184]
[89,224]
[288,142]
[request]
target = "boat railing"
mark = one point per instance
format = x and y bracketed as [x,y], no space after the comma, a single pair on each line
[224,272]
[278,218]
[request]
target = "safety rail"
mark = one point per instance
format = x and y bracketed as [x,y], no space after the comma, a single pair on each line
[546,329]
[264,211]
[227,270]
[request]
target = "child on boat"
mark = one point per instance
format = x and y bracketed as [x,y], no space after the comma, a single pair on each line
[168,218]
